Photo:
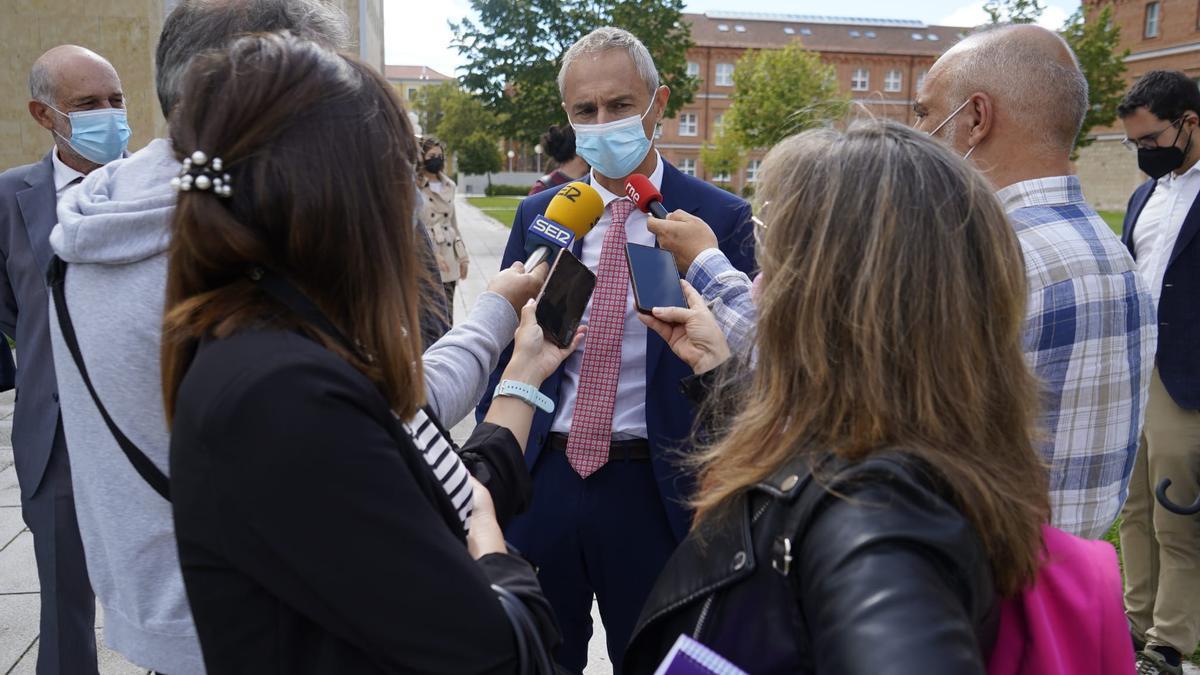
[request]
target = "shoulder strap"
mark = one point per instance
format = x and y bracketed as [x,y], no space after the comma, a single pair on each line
[149,472]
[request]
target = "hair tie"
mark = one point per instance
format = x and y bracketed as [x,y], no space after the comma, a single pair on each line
[200,174]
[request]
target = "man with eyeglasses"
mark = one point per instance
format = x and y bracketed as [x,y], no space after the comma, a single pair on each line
[1161,115]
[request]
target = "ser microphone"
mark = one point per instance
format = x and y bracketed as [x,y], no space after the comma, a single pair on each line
[571,214]
[645,195]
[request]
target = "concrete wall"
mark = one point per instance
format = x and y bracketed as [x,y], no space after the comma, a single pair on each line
[475,185]
[1108,173]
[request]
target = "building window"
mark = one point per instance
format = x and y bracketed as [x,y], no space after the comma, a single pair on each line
[752,170]
[806,31]
[723,27]
[893,81]
[932,37]
[687,167]
[739,28]
[719,124]
[412,93]
[724,74]
[918,36]
[788,30]
[693,69]
[921,79]
[687,124]
[855,34]
[871,34]
[722,177]
[1152,17]
[861,80]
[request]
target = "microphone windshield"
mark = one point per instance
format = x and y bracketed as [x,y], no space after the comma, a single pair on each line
[577,207]
[642,191]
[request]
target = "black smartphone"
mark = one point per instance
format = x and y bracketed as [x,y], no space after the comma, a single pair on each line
[564,297]
[655,278]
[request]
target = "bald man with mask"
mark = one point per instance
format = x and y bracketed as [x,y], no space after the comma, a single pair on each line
[1011,101]
[77,98]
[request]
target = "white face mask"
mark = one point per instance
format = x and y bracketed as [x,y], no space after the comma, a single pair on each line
[947,121]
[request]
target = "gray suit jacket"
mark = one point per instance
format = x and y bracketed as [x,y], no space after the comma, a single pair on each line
[27,214]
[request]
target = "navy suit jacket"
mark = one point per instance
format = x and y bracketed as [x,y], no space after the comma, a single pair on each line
[27,215]
[1178,357]
[669,416]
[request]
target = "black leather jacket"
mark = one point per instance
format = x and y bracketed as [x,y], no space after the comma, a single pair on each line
[886,577]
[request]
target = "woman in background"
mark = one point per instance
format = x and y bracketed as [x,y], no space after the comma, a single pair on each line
[437,213]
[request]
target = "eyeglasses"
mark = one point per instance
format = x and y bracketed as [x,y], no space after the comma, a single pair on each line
[1150,141]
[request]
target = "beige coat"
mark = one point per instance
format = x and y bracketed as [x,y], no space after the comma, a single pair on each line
[438,216]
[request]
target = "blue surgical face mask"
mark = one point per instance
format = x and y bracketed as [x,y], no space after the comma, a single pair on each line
[614,149]
[98,136]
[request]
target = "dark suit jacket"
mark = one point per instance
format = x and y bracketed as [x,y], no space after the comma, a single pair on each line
[1178,357]
[669,415]
[27,215]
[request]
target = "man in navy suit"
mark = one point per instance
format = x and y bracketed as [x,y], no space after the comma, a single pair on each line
[610,495]
[77,98]
[1161,115]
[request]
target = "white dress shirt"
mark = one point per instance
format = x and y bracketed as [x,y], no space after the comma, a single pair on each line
[63,174]
[1158,226]
[629,412]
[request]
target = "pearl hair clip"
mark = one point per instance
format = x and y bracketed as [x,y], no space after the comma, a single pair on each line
[201,174]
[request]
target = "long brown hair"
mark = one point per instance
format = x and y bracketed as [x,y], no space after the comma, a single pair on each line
[890,317]
[319,152]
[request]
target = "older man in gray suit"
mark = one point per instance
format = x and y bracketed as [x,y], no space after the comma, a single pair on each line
[76,96]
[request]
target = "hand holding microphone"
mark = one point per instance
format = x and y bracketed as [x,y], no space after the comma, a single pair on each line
[571,214]
[679,232]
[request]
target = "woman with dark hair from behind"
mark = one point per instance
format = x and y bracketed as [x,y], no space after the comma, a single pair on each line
[875,488]
[325,523]
[559,143]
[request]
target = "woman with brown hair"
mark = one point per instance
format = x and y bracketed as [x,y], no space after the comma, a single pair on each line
[876,489]
[325,522]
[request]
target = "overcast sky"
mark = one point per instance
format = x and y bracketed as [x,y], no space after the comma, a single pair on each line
[417,32]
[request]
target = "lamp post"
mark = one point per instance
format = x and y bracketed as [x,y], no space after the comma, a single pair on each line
[537,150]
[511,154]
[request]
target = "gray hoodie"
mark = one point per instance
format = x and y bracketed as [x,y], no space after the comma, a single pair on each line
[113,231]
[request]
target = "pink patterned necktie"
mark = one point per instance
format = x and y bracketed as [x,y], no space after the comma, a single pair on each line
[591,427]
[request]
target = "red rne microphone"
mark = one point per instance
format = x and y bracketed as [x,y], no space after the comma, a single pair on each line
[645,195]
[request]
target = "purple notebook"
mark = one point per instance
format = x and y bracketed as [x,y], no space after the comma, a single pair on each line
[689,657]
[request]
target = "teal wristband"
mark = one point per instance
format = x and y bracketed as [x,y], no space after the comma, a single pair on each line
[526,392]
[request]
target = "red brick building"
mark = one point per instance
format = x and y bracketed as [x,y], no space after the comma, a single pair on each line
[1161,35]
[878,62]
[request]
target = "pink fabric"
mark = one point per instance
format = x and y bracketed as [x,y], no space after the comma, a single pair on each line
[1072,620]
[591,427]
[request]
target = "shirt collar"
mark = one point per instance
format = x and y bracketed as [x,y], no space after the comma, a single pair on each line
[1171,178]
[1050,191]
[656,177]
[63,174]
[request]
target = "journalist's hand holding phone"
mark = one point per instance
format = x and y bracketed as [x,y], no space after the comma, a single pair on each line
[535,357]
[692,334]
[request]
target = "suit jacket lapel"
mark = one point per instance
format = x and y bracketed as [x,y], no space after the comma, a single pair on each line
[1139,203]
[1191,225]
[38,203]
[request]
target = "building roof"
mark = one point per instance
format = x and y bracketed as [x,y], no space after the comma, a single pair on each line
[750,30]
[414,73]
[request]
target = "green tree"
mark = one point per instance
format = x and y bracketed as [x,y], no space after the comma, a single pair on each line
[1095,42]
[724,155]
[478,154]
[780,92]
[463,116]
[430,104]
[1014,11]
[513,49]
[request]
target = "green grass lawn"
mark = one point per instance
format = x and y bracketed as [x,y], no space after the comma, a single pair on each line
[502,209]
[1114,219]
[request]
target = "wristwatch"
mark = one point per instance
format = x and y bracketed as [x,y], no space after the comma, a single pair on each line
[526,392]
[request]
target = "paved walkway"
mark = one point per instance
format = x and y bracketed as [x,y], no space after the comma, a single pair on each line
[19,608]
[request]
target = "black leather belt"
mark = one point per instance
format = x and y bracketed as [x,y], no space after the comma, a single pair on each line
[631,451]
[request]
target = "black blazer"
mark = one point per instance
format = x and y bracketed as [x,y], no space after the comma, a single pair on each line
[1178,357]
[312,535]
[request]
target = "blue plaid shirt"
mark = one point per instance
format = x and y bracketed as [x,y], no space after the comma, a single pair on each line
[727,292]
[1090,335]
